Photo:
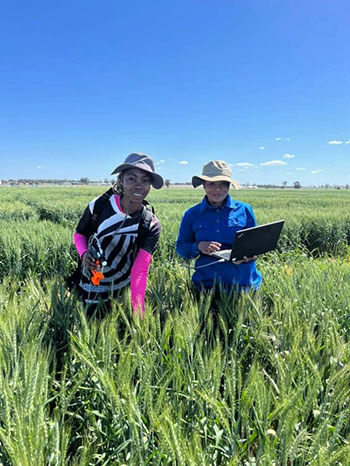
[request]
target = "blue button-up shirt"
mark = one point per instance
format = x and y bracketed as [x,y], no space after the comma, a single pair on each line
[204,222]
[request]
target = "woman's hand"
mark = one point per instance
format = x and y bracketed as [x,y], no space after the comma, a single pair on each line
[88,261]
[207,247]
[245,260]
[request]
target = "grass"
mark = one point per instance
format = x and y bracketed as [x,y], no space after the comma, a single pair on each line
[260,383]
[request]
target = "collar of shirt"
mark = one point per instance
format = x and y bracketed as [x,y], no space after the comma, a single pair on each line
[229,202]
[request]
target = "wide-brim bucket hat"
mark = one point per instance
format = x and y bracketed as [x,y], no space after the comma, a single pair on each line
[215,170]
[143,162]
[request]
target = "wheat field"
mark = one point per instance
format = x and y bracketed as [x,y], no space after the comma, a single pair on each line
[261,382]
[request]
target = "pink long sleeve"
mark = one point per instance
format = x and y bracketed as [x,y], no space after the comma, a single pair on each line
[81,243]
[138,280]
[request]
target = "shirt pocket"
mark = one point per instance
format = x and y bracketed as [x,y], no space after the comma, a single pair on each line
[202,230]
[237,222]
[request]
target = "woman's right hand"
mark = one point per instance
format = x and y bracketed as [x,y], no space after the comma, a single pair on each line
[88,261]
[207,247]
[245,259]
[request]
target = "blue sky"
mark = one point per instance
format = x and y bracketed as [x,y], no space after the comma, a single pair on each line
[261,84]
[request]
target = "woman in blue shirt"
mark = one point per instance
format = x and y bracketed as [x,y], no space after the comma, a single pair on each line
[210,226]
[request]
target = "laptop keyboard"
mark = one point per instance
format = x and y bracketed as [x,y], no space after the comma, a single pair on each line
[224,254]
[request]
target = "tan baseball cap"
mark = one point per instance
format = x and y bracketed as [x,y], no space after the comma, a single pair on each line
[215,170]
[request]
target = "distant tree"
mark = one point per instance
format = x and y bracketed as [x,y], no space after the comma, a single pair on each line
[167,183]
[284,184]
[347,186]
[297,185]
[84,180]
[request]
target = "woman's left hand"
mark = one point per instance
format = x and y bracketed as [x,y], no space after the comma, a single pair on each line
[245,260]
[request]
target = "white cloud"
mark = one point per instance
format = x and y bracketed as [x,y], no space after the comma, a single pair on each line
[289,156]
[347,141]
[39,167]
[301,168]
[183,162]
[314,172]
[244,164]
[273,163]
[335,143]
[278,139]
[287,139]
[160,161]
[261,147]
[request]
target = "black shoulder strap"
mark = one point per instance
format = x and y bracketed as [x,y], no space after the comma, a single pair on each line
[148,206]
[145,219]
[99,205]
[144,223]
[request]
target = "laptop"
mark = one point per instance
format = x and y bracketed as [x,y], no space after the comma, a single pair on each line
[252,242]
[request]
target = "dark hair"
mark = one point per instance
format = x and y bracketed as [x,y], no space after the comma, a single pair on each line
[118,187]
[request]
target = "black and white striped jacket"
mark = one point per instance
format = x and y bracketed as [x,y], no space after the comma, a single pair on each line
[120,237]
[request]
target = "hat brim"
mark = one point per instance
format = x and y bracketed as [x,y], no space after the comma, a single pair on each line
[156,180]
[198,180]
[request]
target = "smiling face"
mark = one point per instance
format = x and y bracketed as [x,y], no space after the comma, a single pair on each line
[216,191]
[136,186]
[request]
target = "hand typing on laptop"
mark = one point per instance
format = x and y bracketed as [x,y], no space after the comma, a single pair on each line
[210,247]
[207,247]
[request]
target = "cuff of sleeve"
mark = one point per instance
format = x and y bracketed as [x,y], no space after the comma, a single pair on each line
[81,243]
[195,250]
[82,253]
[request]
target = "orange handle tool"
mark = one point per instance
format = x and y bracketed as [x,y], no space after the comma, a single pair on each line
[97,276]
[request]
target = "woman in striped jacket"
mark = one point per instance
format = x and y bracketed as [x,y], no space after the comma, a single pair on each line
[124,234]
